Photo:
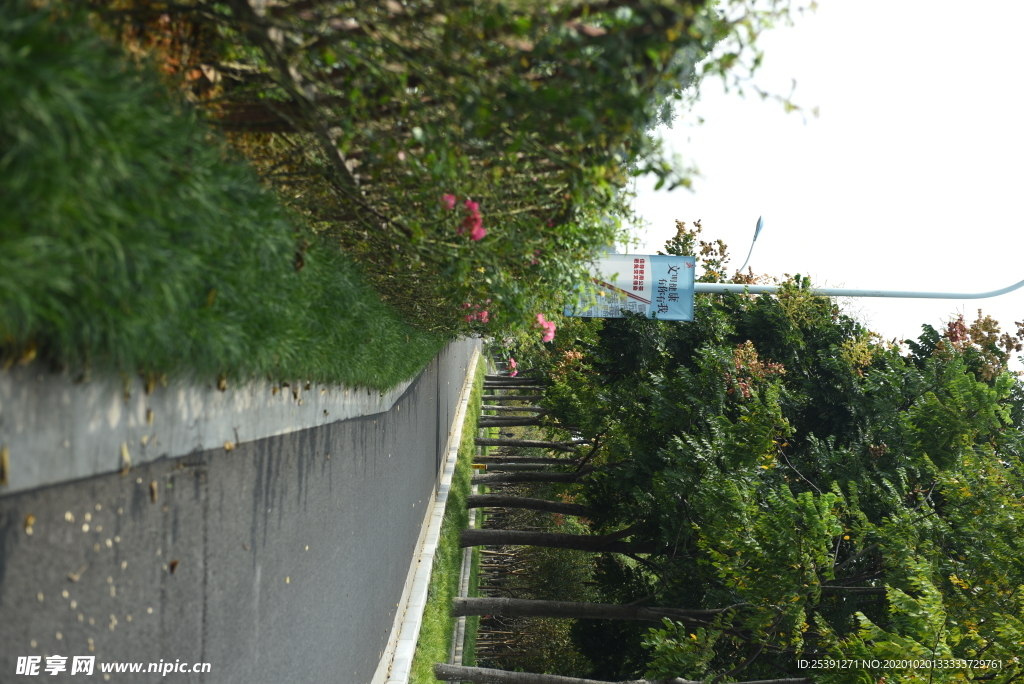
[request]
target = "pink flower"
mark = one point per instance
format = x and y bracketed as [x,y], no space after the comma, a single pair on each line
[448,201]
[481,316]
[513,374]
[472,224]
[511,362]
[548,327]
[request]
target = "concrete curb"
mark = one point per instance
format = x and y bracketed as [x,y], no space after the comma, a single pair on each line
[396,661]
[54,430]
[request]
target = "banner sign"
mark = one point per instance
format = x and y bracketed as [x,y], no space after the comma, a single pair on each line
[650,285]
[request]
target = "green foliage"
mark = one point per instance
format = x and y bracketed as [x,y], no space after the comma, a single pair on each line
[373,119]
[130,241]
[679,653]
[613,647]
[829,496]
[921,628]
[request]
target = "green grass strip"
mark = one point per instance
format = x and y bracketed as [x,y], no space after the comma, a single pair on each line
[472,621]
[435,638]
[132,241]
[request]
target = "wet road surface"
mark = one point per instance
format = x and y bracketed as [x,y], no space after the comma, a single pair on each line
[279,561]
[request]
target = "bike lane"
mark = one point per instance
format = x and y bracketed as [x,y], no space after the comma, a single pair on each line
[283,558]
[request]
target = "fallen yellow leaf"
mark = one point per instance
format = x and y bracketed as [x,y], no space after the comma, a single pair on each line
[126,458]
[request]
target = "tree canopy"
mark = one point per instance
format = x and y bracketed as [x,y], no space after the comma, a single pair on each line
[467,154]
[844,498]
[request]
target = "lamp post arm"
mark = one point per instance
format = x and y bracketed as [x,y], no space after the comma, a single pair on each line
[757,231]
[738,288]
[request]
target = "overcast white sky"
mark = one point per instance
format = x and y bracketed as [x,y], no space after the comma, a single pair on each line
[911,178]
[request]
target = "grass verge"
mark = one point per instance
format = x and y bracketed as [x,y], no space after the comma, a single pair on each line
[436,631]
[131,241]
[472,621]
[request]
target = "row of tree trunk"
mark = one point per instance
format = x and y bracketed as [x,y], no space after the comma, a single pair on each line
[505,640]
[508,469]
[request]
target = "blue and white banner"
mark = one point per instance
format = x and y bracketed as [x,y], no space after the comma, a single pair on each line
[655,286]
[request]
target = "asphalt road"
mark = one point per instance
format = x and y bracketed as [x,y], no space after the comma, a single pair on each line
[279,561]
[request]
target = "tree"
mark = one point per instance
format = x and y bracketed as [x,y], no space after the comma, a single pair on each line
[365,117]
[510,421]
[606,543]
[480,675]
[496,501]
[526,443]
[857,501]
[576,610]
[512,397]
[535,460]
[546,476]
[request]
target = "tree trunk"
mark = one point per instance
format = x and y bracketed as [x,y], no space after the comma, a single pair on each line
[501,385]
[603,543]
[869,591]
[269,116]
[516,468]
[509,409]
[502,420]
[516,382]
[512,397]
[482,675]
[522,377]
[539,460]
[513,478]
[527,443]
[580,611]
[508,421]
[497,501]
[259,117]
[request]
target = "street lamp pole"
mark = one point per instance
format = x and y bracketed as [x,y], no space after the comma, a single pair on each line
[722,288]
[739,288]
[757,231]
